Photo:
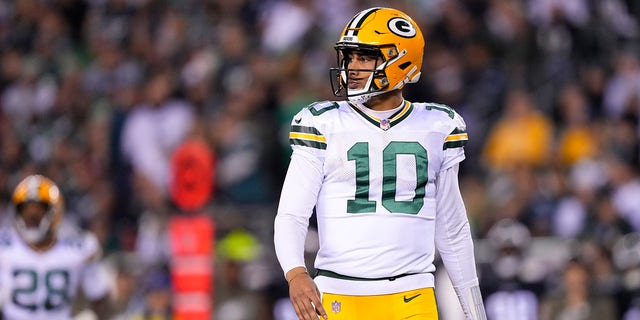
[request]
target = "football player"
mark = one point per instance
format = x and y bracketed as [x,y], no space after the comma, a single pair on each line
[382,175]
[510,289]
[40,269]
[626,256]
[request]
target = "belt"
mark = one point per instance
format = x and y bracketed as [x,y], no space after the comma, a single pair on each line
[332,274]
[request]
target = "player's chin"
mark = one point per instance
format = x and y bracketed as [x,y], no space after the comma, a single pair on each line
[354,86]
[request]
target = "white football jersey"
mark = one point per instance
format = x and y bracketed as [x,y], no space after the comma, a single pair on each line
[43,285]
[376,208]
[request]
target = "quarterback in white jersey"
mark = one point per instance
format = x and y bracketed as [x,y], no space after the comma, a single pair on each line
[40,269]
[382,175]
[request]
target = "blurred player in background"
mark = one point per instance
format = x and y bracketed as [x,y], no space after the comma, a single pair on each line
[626,255]
[382,175]
[41,270]
[509,288]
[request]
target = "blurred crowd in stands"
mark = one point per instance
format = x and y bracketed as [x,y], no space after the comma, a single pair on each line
[98,94]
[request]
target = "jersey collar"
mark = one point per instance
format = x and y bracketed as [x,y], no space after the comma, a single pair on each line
[386,124]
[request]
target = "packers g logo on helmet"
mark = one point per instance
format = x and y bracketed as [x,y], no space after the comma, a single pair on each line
[402,28]
[386,33]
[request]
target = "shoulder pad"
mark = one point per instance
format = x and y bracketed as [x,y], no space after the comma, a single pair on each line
[442,108]
[72,241]
[458,136]
[446,113]
[320,107]
[307,125]
[459,122]
[451,124]
[84,241]
[308,113]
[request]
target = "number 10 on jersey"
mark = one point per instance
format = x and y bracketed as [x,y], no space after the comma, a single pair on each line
[359,153]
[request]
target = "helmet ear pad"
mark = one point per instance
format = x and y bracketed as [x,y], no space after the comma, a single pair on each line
[381,82]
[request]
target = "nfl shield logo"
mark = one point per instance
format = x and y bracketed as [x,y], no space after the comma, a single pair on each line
[335,307]
[384,124]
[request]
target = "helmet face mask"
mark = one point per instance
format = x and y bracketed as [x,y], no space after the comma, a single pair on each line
[33,232]
[374,83]
[379,32]
[37,207]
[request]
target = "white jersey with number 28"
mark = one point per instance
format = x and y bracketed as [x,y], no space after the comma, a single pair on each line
[43,285]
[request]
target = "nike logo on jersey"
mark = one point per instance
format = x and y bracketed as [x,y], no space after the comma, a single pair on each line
[410,298]
[297,120]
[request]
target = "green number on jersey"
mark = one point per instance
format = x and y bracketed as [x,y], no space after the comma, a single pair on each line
[441,107]
[359,153]
[56,283]
[318,108]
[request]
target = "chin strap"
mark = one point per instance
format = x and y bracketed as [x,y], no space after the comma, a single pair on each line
[471,302]
[363,98]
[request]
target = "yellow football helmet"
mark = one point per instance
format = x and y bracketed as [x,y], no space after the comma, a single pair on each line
[37,188]
[386,33]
